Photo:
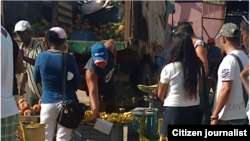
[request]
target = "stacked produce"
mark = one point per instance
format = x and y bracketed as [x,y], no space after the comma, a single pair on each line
[112,31]
[83,24]
[19,134]
[26,110]
[105,31]
[123,118]
[39,28]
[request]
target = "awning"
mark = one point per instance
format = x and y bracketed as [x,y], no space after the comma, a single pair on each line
[84,47]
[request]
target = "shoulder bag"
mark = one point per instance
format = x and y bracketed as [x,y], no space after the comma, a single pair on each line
[71,113]
[243,89]
[241,69]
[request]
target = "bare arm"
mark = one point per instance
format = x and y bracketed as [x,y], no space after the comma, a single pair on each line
[24,79]
[112,47]
[91,80]
[40,48]
[243,76]
[19,63]
[223,97]
[162,90]
[202,54]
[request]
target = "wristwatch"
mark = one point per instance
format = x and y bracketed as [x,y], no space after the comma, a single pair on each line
[214,118]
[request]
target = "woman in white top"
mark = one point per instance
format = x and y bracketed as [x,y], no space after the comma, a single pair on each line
[180,84]
[201,50]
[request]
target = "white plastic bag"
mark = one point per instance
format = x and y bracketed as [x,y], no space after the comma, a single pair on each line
[94,6]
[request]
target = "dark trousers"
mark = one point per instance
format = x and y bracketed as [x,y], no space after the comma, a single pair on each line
[108,106]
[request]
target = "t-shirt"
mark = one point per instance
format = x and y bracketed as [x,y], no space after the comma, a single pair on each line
[201,43]
[48,70]
[35,47]
[215,53]
[8,103]
[229,70]
[106,80]
[175,97]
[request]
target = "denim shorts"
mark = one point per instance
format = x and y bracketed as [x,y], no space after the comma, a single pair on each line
[232,122]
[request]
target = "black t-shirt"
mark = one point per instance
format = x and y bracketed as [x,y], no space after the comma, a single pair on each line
[106,80]
[15,55]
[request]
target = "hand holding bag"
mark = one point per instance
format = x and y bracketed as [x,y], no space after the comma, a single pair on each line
[70,113]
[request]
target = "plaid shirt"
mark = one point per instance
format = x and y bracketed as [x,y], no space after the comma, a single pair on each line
[34,49]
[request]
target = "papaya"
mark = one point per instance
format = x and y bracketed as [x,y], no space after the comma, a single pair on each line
[104,26]
[85,24]
[88,27]
[96,29]
[78,16]
[122,27]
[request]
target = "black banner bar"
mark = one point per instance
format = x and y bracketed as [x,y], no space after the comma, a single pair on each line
[208,132]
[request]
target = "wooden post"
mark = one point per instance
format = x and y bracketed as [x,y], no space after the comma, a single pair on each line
[127,20]
[202,21]
[54,13]
[2,12]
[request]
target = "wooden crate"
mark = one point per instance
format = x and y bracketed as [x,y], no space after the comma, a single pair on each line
[35,119]
[63,15]
[87,132]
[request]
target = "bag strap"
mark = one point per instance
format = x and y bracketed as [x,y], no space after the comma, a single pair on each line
[64,57]
[241,69]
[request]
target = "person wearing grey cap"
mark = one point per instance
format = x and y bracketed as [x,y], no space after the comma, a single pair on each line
[30,49]
[229,104]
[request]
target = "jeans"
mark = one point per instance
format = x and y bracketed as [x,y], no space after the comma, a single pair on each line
[232,122]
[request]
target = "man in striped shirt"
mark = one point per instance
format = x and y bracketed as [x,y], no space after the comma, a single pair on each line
[30,49]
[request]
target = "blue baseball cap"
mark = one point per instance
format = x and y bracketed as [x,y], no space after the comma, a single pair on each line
[99,53]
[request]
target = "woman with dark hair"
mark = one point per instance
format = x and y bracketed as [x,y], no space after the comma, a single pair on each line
[200,47]
[245,73]
[180,84]
[201,50]
[48,70]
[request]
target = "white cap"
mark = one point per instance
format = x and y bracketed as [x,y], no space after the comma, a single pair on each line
[61,33]
[22,26]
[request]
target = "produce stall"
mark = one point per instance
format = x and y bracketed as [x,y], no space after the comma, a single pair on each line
[29,122]
[119,131]
[128,24]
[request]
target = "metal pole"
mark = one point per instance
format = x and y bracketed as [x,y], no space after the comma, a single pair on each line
[202,21]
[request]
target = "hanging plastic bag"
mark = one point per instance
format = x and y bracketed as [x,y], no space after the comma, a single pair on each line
[94,6]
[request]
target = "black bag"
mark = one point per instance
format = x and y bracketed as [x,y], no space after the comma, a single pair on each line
[70,113]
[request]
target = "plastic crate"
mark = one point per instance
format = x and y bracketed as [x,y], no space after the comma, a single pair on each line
[88,133]
[151,121]
[84,35]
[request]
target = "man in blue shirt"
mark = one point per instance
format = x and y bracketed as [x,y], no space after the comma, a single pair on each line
[214,60]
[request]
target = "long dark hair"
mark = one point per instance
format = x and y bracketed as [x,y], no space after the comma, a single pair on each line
[184,26]
[182,50]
